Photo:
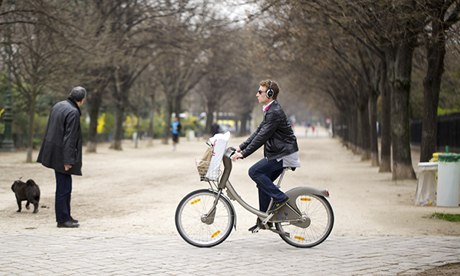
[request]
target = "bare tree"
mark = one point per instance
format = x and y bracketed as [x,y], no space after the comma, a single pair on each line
[228,63]
[441,16]
[181,63]
[129,29]
[379,26]
[36,53]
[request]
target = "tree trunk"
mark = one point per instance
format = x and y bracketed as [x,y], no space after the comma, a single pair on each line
[436,50]
[151,131]
[374,149]
[94,105]
[341,127]
[209,121]
[359,150]
[167,127]
[347,124]
[385,88]
[178,105]
[352,131]
[402,161]
[364,130]
[245,119]
[119,118]
[122,81]
[212,107]
[30,134]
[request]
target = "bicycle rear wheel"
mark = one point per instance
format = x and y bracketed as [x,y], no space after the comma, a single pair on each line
[199,228]
[316,226]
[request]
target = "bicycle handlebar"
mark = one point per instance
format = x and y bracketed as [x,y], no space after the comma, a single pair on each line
[229,152]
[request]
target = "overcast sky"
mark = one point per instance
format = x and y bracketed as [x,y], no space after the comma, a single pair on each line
[236,9]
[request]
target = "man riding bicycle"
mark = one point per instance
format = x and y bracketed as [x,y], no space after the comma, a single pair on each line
[280,149]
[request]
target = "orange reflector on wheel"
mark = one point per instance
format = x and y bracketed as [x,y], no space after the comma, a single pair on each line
[195,201]
[299,238]
[215,234]
[305,199]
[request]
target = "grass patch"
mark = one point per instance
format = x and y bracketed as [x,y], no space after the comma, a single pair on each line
[448,217]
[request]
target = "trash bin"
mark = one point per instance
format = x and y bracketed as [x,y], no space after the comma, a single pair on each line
[448,193]
[425,194]
[190,135]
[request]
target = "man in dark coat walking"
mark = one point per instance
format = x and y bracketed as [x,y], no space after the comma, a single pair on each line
[61,150]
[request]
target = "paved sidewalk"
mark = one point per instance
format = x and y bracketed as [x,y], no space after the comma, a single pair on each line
[127,210]
[253,254]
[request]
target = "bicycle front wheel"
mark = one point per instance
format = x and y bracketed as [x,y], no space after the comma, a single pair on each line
[201,226]
[316,225]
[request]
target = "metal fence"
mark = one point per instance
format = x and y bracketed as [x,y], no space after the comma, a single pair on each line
[448,132]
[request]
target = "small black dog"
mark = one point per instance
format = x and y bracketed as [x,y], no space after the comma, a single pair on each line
[26,191]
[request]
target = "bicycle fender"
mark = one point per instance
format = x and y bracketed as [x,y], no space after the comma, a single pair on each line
[299,190]
[290,210]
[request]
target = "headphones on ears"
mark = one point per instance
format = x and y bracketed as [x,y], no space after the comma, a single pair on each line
[270,91]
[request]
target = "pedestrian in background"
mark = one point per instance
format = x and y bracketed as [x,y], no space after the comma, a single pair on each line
[175,131]
[215,128]
[61,150]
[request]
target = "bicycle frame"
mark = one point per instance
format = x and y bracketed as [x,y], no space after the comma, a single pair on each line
[287,213]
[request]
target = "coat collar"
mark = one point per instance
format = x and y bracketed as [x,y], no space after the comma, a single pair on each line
[74,104]
[267,106]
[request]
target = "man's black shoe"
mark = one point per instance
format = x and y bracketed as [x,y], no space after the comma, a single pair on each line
[73,220]
[278,205]
[68,224]
[251,229]
[260,225]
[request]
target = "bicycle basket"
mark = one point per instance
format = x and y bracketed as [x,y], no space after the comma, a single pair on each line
[202,167]
[204,172]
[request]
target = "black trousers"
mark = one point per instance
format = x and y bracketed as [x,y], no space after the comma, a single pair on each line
[63,194]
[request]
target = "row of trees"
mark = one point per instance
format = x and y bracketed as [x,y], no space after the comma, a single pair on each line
[131,55]
[356,61]
[361,55]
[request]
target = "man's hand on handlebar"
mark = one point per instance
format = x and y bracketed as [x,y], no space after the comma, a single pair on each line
[237,154]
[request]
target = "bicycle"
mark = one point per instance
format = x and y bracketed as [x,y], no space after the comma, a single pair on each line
[205,217]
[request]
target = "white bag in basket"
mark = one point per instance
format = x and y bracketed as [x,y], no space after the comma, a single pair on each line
[219,142]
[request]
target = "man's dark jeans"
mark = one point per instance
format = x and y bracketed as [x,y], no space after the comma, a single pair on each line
[264,173]
[63,193]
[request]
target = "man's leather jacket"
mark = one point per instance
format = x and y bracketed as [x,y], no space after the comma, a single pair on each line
[275,133]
